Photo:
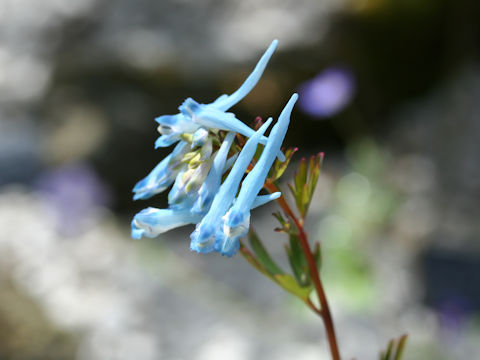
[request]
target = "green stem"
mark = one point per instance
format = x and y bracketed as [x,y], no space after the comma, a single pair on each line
[324,312]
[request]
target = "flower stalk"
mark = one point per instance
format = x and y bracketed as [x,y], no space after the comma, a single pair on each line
[324,310]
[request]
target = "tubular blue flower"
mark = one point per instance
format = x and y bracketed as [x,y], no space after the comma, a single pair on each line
[190,179]
[229,245]
[198,195]
[199,137]
[236,222]
[188,182]
[210,117]
[203,238]
[212,182]
[151,222]
[194,115]
[171,127]
[162,176]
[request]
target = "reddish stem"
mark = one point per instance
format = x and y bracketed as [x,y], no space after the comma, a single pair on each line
[325,309]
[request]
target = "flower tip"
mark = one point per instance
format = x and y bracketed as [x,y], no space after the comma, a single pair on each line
[202,244]
[138,186]
[275,195]
[136,231]
[293,98]
[137,196]
[232,252]
[160,142]
[201,248]
[203,239]
[189,107]
[164,119]
[227,246]
[259,133]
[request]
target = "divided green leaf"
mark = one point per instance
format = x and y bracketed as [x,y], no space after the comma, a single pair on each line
[400,347]
[285,224]
[305,181]
[290,284]
[279,167]
[253,261]
[297,260]
[263,256]
[394,349]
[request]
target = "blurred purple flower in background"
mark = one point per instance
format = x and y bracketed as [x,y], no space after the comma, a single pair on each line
[73,193]
[327,93]
[454,313]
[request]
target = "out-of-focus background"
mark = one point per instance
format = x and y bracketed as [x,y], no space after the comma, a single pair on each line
[389,90]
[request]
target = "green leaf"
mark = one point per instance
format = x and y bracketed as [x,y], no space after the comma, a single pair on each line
[400,347]
[394,349]
[253,261]
[297,260]
[305,181]
[263,256]
[389,350]
[314,173]
[285,224]
[279,167]
[301,176]
[289,283]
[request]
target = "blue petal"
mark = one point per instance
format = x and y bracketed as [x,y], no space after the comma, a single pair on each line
[206,229]
[176,194]
[227,246]
[167,140]
[179,150]
[199,137]
[212,183]
[263,199]
[188,182]
[136,231]
[220,99]
[157,181]
[210,117]
[230,161]
[227,239]
[189,107]
[226,102]
[237,219]
[162,176]
[203,239]
[177,123]
[254,181]
[151,222]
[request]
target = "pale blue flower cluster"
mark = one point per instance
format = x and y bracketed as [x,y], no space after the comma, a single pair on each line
[198,163]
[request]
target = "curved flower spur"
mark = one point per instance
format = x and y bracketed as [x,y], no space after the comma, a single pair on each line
[204,134]
[195,119]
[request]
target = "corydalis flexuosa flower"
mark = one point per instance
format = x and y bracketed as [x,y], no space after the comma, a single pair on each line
[205,153]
